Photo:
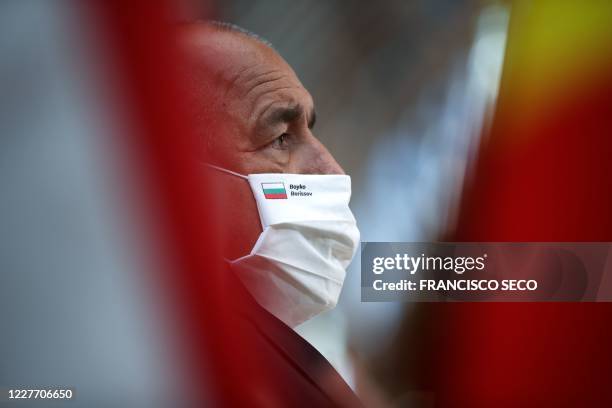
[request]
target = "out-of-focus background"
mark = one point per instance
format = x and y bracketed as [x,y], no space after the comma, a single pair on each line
[408,97]
[77,311]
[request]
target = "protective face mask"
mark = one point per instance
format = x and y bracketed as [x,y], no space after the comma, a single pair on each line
[297,267]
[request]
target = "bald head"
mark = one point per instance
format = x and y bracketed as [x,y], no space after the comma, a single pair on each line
[233,28]
[266,112]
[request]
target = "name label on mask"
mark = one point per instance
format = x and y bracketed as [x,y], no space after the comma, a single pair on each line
[298,190]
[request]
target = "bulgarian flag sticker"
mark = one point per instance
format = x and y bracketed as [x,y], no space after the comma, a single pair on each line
[274,191]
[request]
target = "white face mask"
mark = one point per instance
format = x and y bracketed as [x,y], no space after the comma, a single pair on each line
[297,267]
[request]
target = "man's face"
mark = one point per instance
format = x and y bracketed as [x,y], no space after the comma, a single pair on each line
[262,122]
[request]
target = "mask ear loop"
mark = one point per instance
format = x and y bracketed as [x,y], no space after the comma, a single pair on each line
[221,169]
[233,173]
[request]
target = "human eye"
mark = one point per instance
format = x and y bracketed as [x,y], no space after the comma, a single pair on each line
[282,142]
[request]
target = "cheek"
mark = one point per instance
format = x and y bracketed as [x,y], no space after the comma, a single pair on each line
[238,218]
[313,158]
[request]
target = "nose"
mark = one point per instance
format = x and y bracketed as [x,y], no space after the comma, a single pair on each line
[316,159]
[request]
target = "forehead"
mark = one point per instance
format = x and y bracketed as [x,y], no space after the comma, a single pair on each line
[247,72]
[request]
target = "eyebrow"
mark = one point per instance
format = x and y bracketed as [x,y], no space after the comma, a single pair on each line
[286,115]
